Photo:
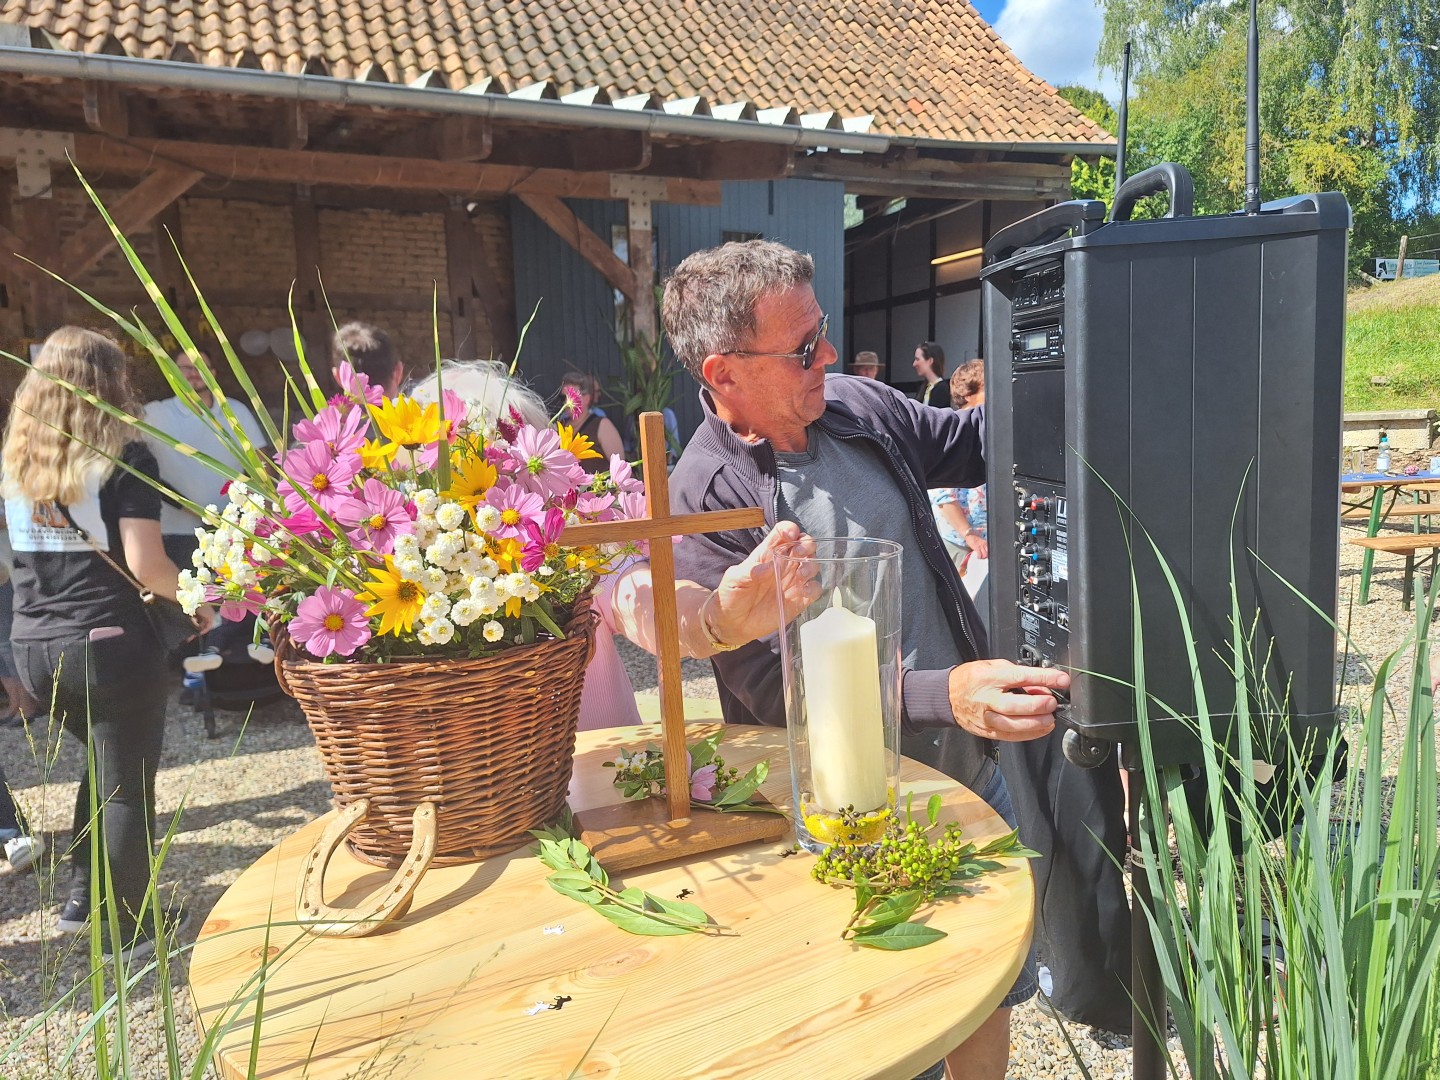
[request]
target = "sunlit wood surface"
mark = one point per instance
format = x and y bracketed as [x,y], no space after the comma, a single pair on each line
[449,991]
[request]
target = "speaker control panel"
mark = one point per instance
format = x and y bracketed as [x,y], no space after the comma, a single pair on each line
[1043,566]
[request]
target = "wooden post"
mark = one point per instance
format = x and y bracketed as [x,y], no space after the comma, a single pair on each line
[640,193]
[460,280]
[1400,262]
[44,296]
[638,833]
[310,307]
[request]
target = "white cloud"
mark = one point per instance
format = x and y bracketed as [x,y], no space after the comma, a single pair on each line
[1056,39]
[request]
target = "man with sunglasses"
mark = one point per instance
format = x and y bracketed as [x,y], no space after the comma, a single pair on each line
[843,456]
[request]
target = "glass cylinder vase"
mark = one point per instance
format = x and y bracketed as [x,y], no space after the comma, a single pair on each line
[841,663]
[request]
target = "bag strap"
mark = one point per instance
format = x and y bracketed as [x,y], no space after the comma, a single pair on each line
[147,596]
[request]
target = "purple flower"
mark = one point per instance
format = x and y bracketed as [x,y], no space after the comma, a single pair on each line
[315,471]
[376,516]
[541,536]
[304,522]
[546,468]
[356,384]
[340,433]
[517,507]
[702,784]
[330,621]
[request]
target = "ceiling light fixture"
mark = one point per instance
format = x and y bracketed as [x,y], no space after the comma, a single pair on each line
[969,253]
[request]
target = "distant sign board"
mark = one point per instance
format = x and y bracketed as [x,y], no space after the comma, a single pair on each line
[1385,268]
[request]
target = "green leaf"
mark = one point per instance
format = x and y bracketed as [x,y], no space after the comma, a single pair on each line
[897,938]
[932,808]
[679,909]
[703,752]
[586,894]
[637,922]
[895,908]
[746,786]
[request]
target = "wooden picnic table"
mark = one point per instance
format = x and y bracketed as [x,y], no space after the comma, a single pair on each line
[1380,484]
[1410,545]
[453,989]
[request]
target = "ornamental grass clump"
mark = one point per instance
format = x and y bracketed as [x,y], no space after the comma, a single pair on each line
[1314,952]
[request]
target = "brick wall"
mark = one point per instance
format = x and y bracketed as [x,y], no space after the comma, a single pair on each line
[380,266]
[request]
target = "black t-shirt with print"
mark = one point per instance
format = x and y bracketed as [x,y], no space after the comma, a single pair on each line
[63,589]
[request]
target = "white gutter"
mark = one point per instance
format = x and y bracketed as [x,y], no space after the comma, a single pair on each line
[322,89]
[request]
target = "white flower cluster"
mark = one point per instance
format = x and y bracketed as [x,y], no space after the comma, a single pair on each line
[224,554]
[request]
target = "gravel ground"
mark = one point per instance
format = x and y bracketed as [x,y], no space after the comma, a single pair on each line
[246,790]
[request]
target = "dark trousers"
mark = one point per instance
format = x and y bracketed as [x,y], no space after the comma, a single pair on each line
[112,692]
[1075,819]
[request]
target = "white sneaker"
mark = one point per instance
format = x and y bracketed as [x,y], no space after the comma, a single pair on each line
[22,851]
[261,652]
[208,660]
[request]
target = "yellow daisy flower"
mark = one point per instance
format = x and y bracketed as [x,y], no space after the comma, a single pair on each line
[394,599]
[579,445]
[376,454]
[470,479]
[405,421]
[508,553]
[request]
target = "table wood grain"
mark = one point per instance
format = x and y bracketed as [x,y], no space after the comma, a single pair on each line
[448,991]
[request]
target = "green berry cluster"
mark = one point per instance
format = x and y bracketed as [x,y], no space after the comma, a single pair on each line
[906,857]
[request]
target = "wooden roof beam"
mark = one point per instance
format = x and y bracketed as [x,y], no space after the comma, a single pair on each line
[132,212]
[583,239]
[278,166]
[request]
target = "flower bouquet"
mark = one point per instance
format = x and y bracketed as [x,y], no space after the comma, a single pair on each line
[407,557]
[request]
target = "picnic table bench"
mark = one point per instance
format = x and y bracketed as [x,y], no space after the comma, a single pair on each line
[1409,545]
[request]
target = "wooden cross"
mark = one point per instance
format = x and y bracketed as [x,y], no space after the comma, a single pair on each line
[644,831]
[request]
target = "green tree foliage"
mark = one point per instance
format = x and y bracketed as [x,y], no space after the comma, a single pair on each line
[1350,100]
[1092,180]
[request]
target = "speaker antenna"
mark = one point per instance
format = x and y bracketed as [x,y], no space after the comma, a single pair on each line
[1252,116]
[1124,110]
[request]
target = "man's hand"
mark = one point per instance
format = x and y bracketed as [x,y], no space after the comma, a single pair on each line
[745,607]
[984,701]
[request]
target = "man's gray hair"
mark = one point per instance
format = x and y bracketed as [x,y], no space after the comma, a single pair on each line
[710,299]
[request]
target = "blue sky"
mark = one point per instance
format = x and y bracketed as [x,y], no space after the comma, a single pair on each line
[1056,39]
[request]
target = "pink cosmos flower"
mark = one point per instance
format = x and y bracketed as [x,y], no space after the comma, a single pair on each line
[594,507]
[356,384]
[304,522]
[317,472]
[330,621]
[540,536]
[517,506]
[510,428]
[702,783]
[453,409]
[376,516]
[574,402]
[234,609]
[545,467]
[340,433]
[622,476]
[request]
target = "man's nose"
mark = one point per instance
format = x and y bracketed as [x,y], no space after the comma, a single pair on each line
[825,353]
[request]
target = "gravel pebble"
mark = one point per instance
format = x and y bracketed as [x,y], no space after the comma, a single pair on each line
[262,779]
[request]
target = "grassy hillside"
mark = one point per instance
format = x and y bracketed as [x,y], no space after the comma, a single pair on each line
[1393,331]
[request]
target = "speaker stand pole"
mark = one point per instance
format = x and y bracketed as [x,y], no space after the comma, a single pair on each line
[1148,1012]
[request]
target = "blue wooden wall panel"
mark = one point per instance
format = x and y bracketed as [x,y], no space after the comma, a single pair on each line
[573,327]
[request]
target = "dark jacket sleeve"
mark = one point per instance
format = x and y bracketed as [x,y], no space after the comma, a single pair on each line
[948,444]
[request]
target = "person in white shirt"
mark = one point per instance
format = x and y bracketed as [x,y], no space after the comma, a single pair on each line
[186,476]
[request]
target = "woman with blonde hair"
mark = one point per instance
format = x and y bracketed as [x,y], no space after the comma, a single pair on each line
[78,509]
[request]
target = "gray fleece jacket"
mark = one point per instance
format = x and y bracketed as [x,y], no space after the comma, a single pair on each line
[924,447]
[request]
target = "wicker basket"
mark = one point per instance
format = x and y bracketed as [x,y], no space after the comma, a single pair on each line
[490,742]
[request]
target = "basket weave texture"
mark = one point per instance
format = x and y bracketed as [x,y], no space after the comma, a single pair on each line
[490,742]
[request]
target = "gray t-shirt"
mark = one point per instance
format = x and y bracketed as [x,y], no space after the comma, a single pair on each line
[844,488]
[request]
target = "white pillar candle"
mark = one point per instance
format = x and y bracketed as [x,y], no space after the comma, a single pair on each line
[842,709]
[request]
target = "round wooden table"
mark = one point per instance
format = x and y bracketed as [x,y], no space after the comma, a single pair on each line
[451,989]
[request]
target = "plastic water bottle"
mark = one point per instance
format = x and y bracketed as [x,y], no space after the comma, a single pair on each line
[1435,465]
[1382,459]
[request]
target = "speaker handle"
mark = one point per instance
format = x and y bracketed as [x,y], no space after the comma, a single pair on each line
[1167,177]
[1078,215]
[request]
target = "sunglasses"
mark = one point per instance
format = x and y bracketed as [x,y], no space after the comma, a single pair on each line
[807,352]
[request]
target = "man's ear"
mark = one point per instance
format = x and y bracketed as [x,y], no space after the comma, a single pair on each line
[717,372]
